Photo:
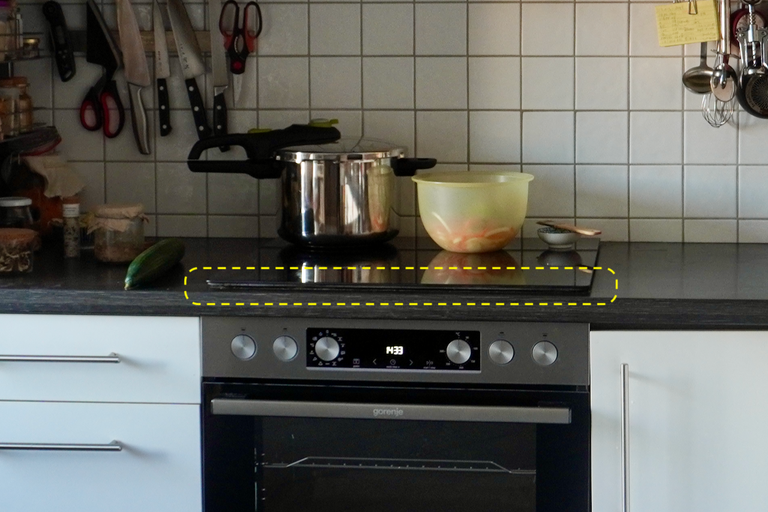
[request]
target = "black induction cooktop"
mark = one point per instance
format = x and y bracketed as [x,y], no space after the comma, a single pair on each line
[528,266]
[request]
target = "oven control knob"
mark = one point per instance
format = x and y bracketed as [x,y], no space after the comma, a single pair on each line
[243,347]
[458,351]
[327,348]
[285,348]
[544,353]
[501,352]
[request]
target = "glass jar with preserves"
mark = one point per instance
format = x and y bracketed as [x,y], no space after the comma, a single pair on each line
[17,250]
[15,212]
[118,232]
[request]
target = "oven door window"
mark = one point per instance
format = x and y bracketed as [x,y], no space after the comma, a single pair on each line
[368,456]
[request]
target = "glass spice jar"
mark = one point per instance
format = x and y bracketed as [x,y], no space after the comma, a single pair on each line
[15,212]
[17,250]
[118,232]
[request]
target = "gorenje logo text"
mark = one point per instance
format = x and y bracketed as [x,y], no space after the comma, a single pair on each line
[387,412]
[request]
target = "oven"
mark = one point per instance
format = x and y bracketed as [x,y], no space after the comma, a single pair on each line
[397,416]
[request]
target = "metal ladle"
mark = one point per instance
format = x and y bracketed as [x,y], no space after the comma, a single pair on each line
[697,79]
[723,81]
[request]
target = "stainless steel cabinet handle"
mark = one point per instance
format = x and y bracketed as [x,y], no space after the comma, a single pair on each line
[114,446]
[625,437]
[111,358]
[237,407]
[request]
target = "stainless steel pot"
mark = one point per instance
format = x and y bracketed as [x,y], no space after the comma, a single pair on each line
[337,194]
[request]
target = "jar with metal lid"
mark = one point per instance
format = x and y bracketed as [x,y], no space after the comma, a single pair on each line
[15,212]
[17,250]
[118,232]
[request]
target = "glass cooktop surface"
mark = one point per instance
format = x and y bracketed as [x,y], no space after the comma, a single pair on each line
[527,266]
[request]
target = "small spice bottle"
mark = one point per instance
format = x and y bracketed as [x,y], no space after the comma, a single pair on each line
[17,250]
[15,212]
[26,108]
[70,207]
[118,232]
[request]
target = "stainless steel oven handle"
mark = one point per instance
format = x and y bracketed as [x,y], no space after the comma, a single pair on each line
[111,358]
[625,437]
[114,446]
[346,410]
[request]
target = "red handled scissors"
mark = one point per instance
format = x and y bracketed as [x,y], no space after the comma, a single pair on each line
[239,37]
[100,105]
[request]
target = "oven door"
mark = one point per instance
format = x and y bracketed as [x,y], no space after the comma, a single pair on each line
[317,448]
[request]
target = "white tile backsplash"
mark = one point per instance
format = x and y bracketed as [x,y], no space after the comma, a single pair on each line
[547,83]
[601,83]
[547,29]
[577,93]
[441,29]
[610,37]
[655,191]
[325,36]
[388,82]
[392,37]
[494,83]
[494,29]
[441,82]
[710,191]
[601,137]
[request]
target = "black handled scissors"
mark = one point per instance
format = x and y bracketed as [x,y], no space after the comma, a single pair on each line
[100,104]
[239,38]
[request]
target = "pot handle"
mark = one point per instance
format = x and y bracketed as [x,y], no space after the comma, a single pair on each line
[259,148]
[409,166]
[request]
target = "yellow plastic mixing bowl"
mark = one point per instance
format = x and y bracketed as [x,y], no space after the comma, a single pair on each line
[471,212]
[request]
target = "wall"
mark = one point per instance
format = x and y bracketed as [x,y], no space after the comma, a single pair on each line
[577,93]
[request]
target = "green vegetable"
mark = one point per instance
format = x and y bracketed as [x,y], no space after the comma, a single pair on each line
[154,262]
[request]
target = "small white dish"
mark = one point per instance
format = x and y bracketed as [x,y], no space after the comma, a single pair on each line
[558,239]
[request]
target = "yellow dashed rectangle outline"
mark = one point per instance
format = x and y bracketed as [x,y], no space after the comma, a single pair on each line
[425,304]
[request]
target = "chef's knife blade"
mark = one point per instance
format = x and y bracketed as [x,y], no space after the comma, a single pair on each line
[100,48]
[162,70]
[192,64]
[136,70]
[220,75]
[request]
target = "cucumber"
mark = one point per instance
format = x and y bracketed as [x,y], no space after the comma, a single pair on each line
[154,262]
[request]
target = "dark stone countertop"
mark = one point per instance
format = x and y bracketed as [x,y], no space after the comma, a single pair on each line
[660,285]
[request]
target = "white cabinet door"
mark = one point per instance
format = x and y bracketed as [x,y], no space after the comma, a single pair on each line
[698,418]
[158,469]
[159,358]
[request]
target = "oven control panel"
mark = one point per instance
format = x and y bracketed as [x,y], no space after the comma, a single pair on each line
[393,349]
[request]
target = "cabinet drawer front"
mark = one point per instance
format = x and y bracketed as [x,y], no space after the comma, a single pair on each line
[158,468]
[72,358]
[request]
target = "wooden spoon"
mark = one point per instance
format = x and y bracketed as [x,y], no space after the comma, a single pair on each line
[570,227]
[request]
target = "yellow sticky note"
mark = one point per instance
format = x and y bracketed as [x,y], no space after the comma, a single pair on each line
[677,27]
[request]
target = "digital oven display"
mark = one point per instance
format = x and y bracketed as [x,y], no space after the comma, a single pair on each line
[393,349]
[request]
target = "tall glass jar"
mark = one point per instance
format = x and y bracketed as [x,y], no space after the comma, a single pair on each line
[118,232]
[26,108]
[9,96]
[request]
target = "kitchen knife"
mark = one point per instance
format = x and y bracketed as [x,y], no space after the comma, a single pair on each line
[162,71]
[220,76]
[60,40]
[192,64]
[136,70]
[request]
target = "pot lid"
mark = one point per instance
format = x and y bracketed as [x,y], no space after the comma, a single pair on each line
[342,150]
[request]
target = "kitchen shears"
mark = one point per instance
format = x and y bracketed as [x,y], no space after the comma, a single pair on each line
[100,103]
[239,38]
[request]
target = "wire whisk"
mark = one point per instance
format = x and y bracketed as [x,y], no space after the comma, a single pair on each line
[716,112]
